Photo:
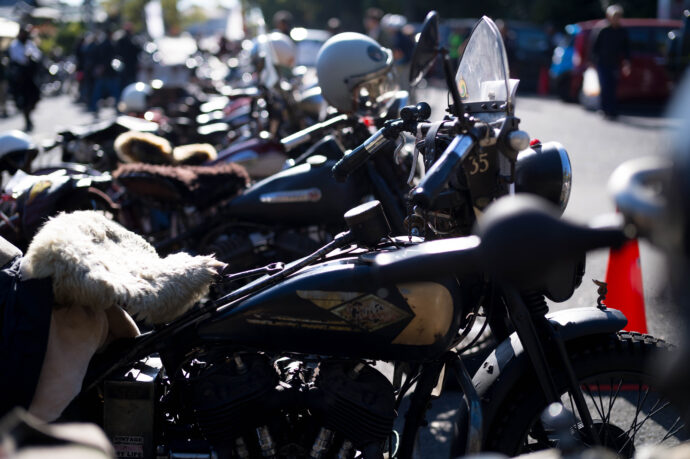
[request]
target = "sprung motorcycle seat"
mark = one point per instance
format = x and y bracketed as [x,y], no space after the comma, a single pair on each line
[95,263]
[170,186]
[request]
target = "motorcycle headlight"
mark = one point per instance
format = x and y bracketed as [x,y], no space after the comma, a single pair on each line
[545,171]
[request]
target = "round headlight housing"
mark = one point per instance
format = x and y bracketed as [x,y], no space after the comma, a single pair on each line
[545,170]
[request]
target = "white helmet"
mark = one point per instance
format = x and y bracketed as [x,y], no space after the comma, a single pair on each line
[284,49]
[134,98]
[17,150]
[349,62]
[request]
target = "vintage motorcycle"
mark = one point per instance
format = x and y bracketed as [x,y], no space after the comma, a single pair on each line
[293,212]
[31,196]
[284,366]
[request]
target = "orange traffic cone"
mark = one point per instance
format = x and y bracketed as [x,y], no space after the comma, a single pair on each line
[543,83]
[624,279]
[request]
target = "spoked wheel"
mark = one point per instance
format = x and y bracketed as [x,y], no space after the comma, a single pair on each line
[622,395]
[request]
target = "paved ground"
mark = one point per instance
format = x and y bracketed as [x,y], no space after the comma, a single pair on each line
[596,148]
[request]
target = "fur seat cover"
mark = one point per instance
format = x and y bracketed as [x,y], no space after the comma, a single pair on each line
[194,154]
[144,147]
[95,263]
[197,185]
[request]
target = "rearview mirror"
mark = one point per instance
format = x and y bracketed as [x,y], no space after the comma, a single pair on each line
[425,50]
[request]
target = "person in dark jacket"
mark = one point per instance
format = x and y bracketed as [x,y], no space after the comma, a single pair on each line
[128,50]
[611,55]
[106,76]
[24,62]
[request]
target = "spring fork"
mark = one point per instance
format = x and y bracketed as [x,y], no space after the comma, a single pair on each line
[525,328]
[419,403]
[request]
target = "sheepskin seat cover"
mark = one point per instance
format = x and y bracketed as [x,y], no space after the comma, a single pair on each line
[143,147]
[194,154]
[95,263]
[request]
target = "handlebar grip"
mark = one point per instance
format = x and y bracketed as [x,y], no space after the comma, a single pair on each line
[357,157]
[442,170]
[632,185]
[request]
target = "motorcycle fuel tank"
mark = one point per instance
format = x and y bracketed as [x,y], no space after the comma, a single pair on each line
[305,194]
[335,309]
[260,157]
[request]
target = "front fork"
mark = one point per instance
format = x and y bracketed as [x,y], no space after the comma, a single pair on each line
[430,377]
[536,333]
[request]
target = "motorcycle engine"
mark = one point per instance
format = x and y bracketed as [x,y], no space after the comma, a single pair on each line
[250,405]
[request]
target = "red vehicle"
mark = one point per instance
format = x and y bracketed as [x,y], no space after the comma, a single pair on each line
[650,78]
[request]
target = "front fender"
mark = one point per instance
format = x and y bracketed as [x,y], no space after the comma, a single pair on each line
[501,370]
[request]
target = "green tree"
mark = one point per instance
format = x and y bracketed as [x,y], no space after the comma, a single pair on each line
[171,16]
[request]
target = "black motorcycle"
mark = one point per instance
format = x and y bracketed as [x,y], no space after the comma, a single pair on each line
[283,367]
[283,217]
[28,200]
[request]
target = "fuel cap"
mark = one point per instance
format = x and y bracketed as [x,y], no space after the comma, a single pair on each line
[368,223]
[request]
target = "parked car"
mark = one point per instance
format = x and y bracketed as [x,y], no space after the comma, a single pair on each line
[562,65]
[529,53]
[650,79]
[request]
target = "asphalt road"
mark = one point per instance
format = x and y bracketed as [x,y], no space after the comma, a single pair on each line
[596,148]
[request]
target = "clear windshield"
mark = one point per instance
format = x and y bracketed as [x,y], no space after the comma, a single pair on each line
[483,72]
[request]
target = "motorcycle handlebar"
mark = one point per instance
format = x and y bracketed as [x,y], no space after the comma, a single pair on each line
[442,170]
[251,91]
[357,157]
[632,186]
[298,138]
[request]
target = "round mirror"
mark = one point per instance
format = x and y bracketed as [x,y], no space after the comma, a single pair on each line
[425,50]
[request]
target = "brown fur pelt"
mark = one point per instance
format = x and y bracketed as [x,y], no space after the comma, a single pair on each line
[197,185]
[143,147]
[194,154]
[95,263]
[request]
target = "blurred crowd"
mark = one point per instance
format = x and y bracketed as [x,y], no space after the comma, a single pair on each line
[107,58]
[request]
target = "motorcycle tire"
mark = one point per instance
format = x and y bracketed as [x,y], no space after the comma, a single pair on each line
[610,368]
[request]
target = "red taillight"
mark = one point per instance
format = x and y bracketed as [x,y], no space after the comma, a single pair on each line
[368,121]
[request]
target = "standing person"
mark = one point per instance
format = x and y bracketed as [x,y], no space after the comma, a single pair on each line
[402,39]
[127,50]
[87,53]
[24,58]
[334,26]
[106,78]
[282,22]
[611,54]
[372,26]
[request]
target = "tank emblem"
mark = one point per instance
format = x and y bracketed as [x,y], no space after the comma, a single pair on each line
[363,311]
[432,305]
[282,197]
[38,188]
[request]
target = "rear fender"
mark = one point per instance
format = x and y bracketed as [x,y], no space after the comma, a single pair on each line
[502,369]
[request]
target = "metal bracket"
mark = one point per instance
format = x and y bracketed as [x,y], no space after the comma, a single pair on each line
[602,291]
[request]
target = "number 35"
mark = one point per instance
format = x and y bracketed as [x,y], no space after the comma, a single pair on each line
[479,165]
